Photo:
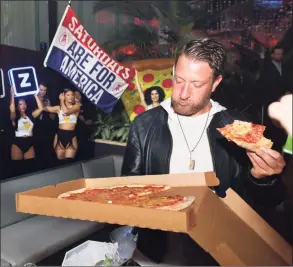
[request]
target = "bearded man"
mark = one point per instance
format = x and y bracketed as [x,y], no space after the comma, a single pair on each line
[180,136]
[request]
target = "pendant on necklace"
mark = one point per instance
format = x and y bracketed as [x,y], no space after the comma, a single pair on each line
[191,164]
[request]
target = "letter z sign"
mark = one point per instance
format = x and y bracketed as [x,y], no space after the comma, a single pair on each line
[24,80]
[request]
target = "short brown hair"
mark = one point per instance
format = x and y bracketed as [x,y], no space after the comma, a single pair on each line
[207,50]
[275,48]
[44,84]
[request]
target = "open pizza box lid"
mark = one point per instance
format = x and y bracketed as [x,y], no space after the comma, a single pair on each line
[226,228]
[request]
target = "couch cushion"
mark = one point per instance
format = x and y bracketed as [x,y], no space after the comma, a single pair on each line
[20,184]
[109,166]
[4,263]
[38,237]
[99,168]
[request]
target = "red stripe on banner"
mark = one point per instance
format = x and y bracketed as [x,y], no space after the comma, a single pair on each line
[72,23]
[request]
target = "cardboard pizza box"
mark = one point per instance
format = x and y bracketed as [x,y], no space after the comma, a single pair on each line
[226,228]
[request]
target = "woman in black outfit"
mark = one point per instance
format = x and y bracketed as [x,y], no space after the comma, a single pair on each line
[23,122]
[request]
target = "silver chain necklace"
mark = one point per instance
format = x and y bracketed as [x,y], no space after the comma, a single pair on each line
[192,161]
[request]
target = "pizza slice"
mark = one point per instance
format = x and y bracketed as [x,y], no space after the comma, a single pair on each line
[246,134]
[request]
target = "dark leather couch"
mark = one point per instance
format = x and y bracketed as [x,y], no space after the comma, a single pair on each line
[32,238]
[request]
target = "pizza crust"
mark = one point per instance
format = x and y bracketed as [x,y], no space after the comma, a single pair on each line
[134,185]
[262,143]
[67,194]
[179,206]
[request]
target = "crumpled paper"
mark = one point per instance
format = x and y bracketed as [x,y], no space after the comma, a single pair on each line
[89,253]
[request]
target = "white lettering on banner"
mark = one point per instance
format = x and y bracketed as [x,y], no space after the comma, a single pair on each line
[75,79]
[93,91]
[91,42]
[83,81]
[96,98]
[78,31]
[86,61]
[112,66]
[82,35]
[24,82]
[72,25]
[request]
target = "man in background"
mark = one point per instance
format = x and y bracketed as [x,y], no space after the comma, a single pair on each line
[44,131]
[271,86]
[43,96]
[271,80]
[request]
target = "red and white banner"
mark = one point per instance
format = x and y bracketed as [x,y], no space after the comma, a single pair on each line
[76,55]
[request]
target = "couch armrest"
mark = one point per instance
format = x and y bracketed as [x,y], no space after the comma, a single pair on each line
[5,263]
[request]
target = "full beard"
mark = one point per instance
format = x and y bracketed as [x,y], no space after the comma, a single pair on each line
[189,109]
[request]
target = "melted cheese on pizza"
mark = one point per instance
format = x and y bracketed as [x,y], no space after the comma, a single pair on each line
[240,128]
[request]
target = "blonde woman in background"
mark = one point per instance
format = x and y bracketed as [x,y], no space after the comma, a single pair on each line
[65,141]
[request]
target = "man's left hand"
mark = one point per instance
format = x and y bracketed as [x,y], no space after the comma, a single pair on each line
[266,162]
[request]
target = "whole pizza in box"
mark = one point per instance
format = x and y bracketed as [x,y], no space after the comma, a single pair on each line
[131,195]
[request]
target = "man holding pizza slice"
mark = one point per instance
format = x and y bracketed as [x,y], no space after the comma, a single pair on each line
[182,136]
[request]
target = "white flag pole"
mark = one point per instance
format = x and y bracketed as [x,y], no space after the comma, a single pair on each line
[55,36]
